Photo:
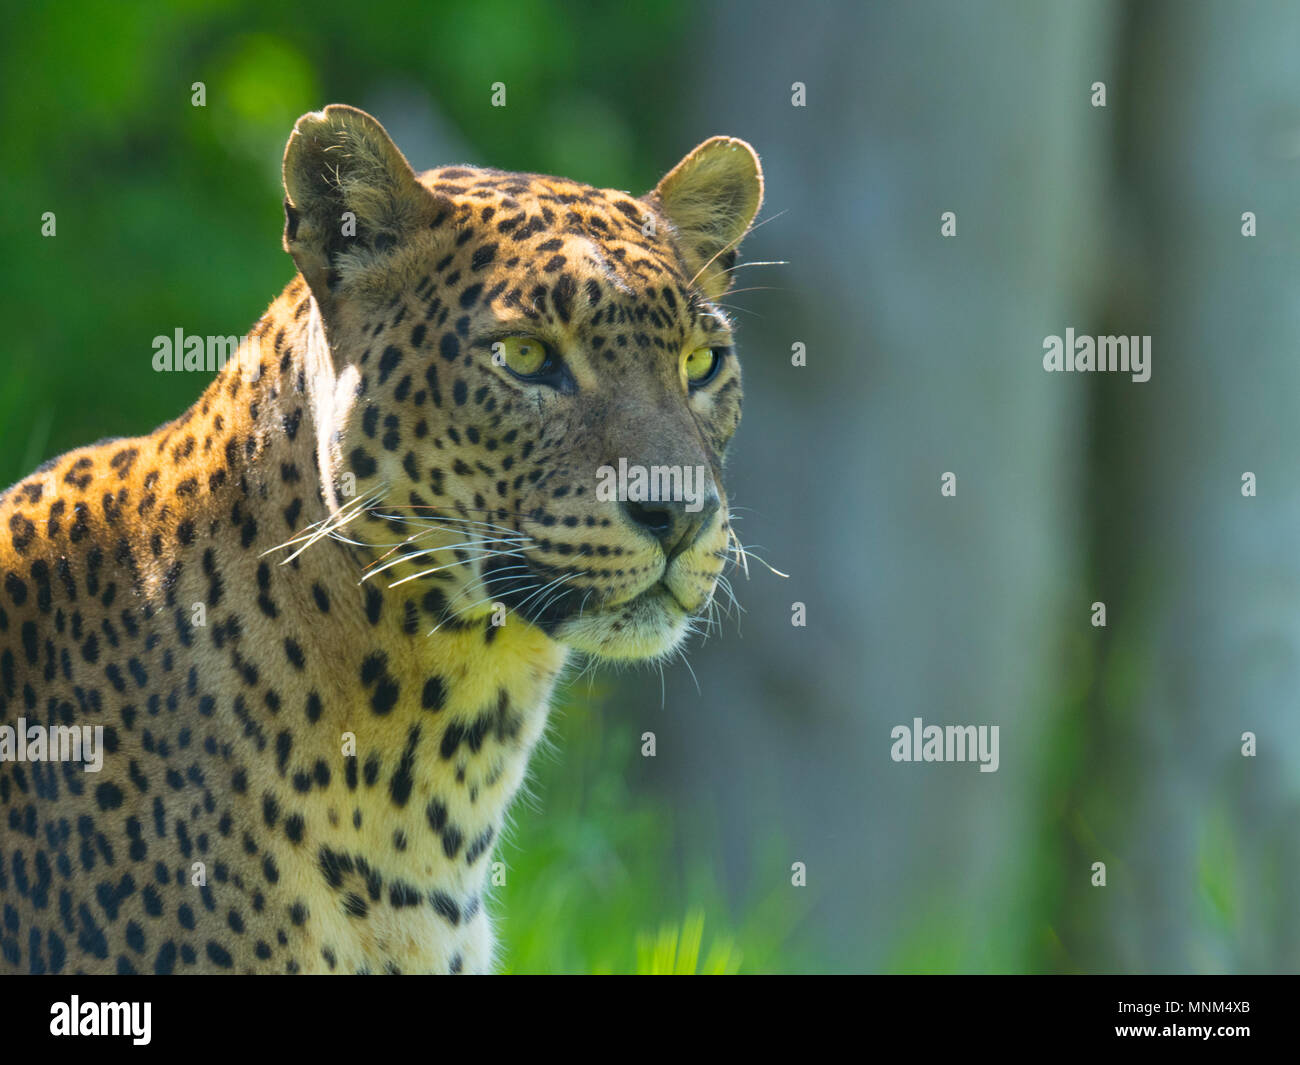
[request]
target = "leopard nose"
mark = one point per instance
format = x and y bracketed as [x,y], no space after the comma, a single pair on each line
[670,522]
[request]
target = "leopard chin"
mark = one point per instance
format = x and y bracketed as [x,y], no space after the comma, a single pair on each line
[651,626]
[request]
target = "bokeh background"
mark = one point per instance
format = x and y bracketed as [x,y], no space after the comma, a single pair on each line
[1119,744]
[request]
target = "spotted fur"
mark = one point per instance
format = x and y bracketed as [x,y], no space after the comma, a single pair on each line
[285,606]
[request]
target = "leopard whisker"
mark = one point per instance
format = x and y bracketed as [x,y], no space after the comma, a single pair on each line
[452,565]
[553,599]
[450,615]
[436,522]
[329,526]
[769,262]
[558,580]
[679,653]
[411,555]
[732,244]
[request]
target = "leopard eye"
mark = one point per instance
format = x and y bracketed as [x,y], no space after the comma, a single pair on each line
[522,356]
[700,365]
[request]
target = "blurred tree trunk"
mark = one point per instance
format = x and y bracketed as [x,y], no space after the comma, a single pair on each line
[924,356]
[1202,844]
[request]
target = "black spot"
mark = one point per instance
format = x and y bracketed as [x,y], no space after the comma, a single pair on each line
[434,695]
[385,697]
[479,846]
[362,464]
[283,746]
[218,955]
[451,740]
[374,604]
[400,786]
[445,906]
[452,838]
[333,866]
[16,588]
[563,294]
[388,362]
[402,894]
[165,963]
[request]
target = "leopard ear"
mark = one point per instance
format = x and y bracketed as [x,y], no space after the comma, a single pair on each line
[711,198]
[351,196]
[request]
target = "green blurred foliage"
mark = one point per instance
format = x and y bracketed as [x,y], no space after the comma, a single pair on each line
[169,216]
[600,877]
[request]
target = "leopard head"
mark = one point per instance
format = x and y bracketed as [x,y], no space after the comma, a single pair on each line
[524,387]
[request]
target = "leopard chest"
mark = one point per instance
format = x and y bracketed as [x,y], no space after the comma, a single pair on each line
[386,816]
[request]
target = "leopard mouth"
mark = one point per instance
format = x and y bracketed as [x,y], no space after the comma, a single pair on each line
[647,625]
[665,596]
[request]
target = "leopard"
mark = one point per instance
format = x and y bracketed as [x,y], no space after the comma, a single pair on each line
[311,629]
